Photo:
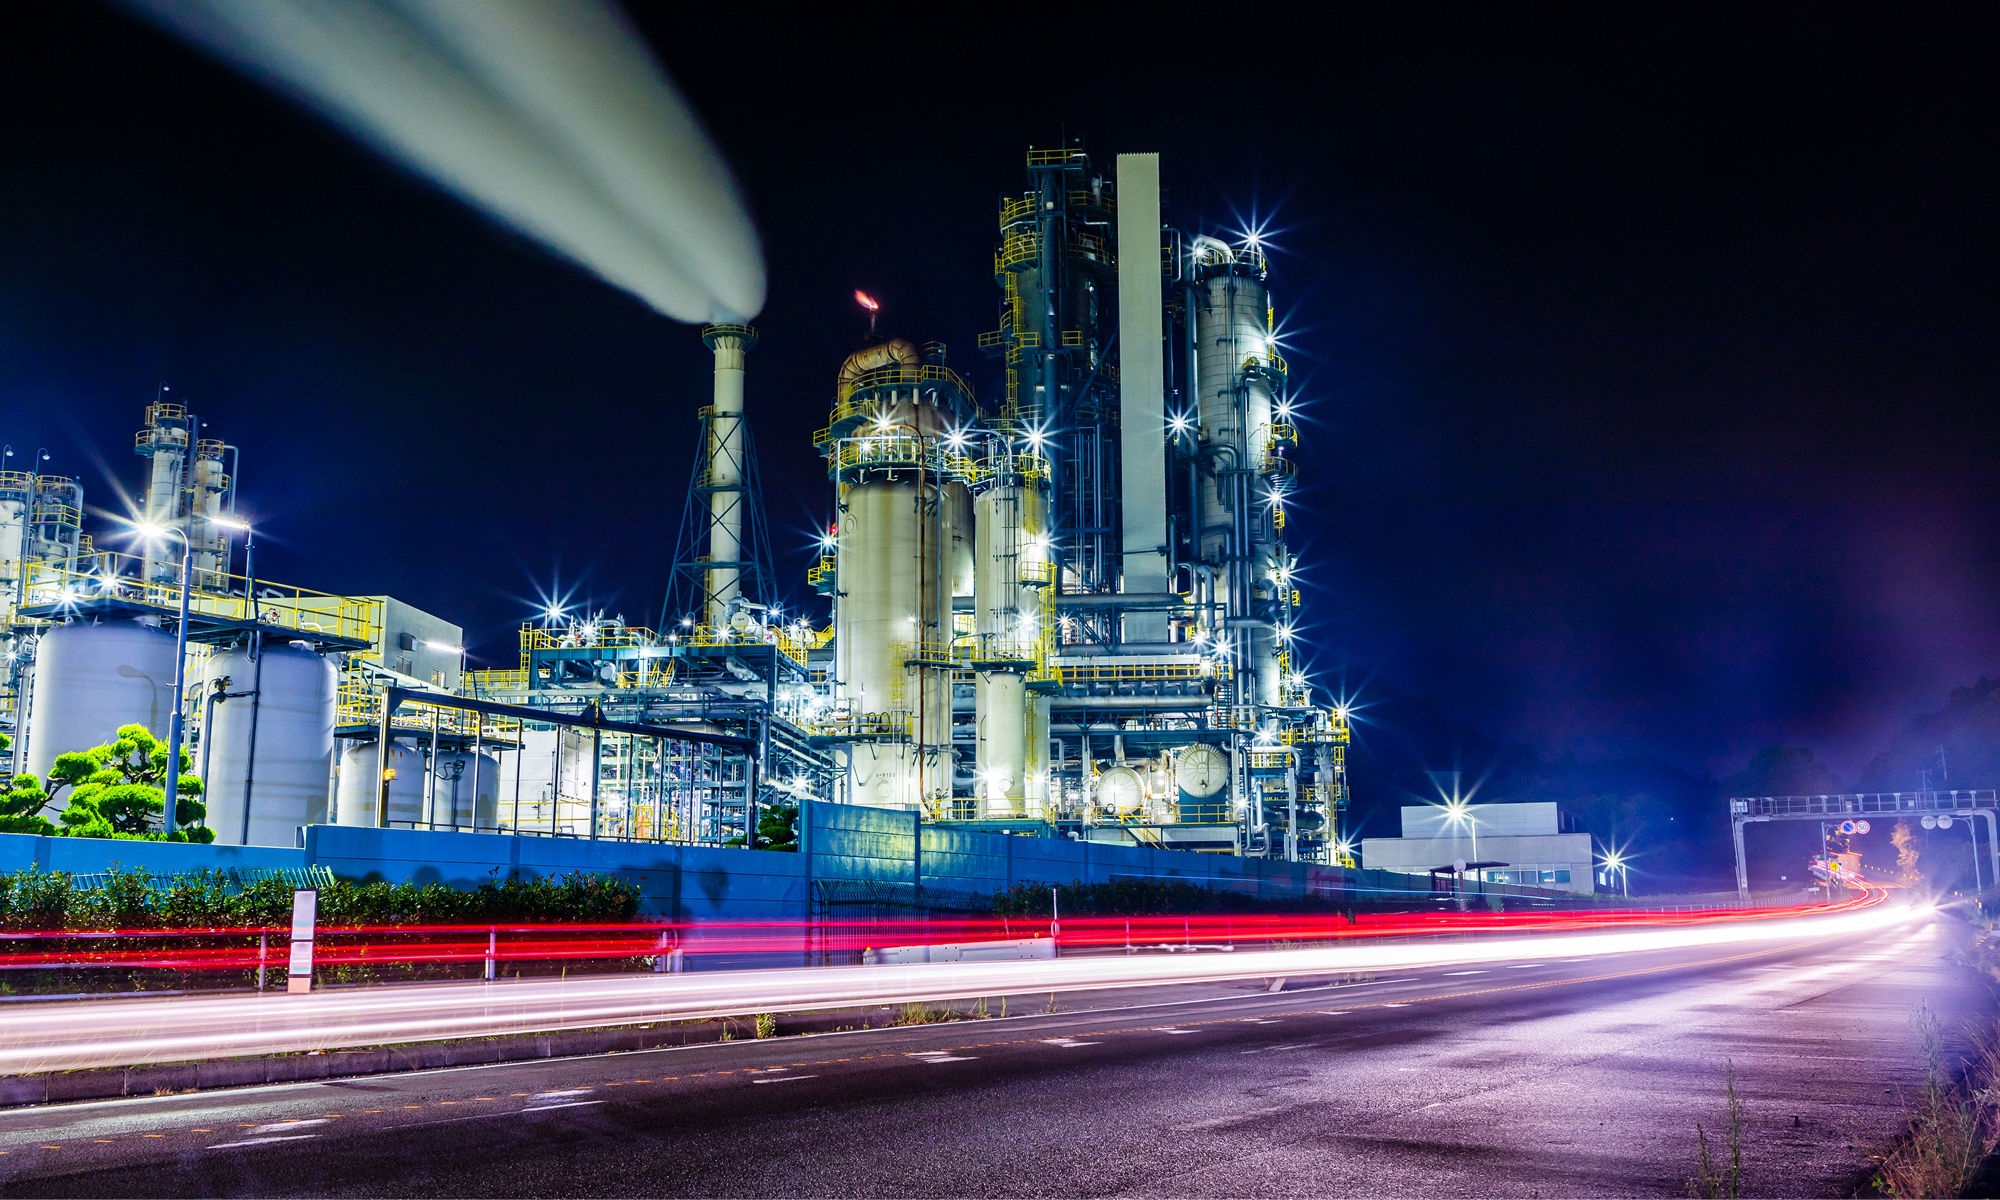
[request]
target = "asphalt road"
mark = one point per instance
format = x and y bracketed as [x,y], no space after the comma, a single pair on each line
[1537,1078]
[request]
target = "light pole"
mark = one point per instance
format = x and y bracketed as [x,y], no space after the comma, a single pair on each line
[171,785]
[1615,861]
[173,780]
[1458,813]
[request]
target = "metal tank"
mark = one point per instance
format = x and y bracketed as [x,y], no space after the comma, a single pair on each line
[1011,566]
[355,795]
[894,575]
[465,790]
[1238,377]
[17,495]
[164,444]
[210,498]
[91,679]
[269,743]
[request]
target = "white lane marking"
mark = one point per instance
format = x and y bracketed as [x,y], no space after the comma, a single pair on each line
[1175,1032]
[1255,1021]
[264,1141]
[565,1104]
[939,1056]
[1066,1043]
[786,1079]
[285,1126]
[1526,966]
[1397,1004]
[582,1091]
[1465,972]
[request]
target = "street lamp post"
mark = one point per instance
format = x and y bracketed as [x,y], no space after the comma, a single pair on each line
[1615,861]
[1458,813]
[175,724]
[174,730]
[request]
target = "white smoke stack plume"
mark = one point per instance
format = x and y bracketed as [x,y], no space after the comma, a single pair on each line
[549,115]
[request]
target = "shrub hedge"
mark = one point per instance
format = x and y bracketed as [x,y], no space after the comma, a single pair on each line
[136,899]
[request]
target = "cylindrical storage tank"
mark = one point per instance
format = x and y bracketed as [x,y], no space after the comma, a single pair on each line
[467,790]
[355,793]
[259,794]
[91,679]
[958,503]
[1002,708]
[526,799]
[880,584]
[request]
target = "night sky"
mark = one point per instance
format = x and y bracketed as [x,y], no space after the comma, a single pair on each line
[1647,356]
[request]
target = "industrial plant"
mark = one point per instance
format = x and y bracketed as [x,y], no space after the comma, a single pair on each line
[1062,610]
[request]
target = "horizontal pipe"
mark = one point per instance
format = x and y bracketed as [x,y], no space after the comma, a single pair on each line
[1133,600]
[1175,703]
[1124,649]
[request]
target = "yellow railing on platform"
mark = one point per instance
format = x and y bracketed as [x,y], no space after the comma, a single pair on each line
[278,605]
[901,374]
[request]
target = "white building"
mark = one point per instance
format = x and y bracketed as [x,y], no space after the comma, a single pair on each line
[1528,838]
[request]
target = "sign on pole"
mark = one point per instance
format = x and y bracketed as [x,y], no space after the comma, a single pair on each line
[305,913]
[1861,827]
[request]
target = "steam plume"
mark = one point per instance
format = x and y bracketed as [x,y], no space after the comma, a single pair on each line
[549,115]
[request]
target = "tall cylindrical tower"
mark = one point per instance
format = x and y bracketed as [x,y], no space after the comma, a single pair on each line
[728,472]
[1012,573]
[164,444]
[1239,377]
[896,412]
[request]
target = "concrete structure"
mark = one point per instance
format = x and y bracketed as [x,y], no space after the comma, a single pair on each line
[1530,838]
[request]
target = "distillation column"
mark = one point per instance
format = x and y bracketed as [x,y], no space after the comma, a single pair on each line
[1235,365]
[728,475]
[894,574]
[164,443]
[1012,575]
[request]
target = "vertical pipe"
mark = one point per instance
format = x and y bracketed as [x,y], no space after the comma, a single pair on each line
[596,770]
[478,748]
[431,773]
[382,762]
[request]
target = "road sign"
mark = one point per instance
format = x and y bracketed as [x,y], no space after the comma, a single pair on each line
[1847,827]
[1861,827]
[1930,822]
[1944,822]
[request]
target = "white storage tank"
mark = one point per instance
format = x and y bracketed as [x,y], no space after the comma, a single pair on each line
[91,679]
[355,793]
[284,776]
[535,765]
[467,790]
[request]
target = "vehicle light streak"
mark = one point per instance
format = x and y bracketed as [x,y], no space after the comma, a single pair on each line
[436,944]
[131,1031]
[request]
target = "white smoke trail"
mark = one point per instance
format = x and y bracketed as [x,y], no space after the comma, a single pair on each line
[549,115]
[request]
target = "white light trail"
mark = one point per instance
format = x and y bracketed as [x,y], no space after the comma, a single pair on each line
[126,1031]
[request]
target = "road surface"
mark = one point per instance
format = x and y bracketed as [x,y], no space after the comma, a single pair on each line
[1537,1077]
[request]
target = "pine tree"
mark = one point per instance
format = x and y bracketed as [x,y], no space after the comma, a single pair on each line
[118,790]
[22,802]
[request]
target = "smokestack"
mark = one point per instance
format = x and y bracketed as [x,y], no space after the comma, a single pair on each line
[728,474]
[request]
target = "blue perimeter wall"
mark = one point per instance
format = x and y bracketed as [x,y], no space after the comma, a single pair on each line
[846,845]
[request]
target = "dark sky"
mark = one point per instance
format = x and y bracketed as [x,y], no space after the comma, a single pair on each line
[1647,354]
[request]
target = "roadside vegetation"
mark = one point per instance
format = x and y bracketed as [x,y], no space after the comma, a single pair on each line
[77,919]
[117,790]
